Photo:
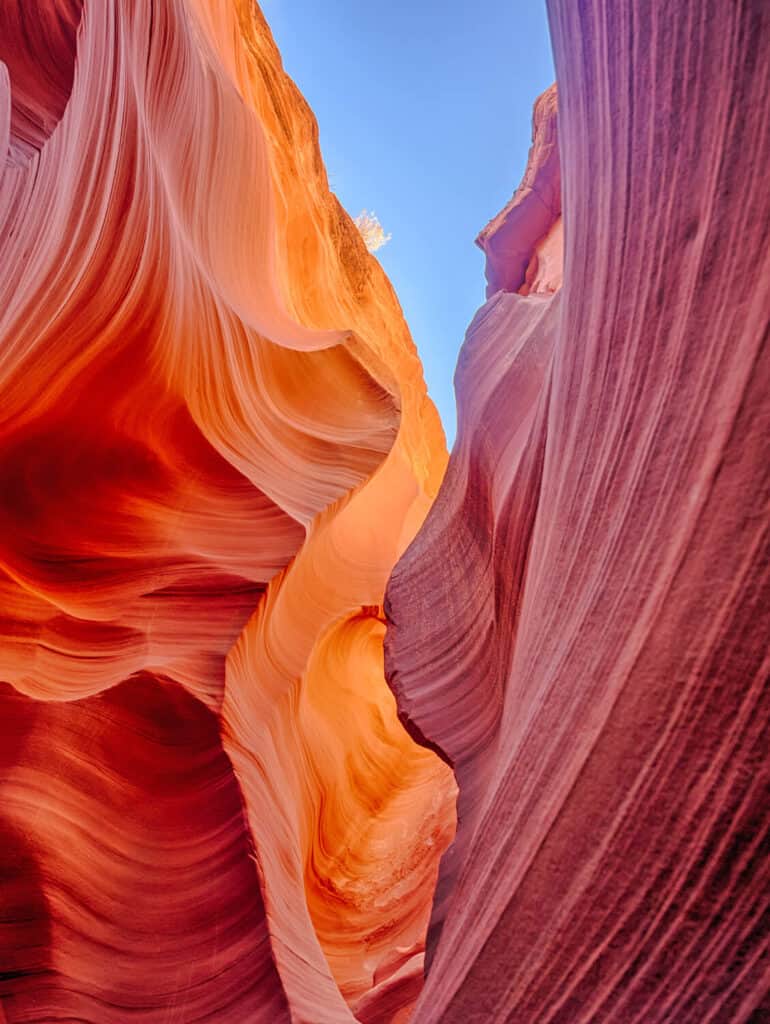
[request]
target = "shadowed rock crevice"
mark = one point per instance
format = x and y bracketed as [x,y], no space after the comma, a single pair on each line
[38,40]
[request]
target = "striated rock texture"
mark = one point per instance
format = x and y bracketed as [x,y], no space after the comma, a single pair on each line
[581,626]
[215,442]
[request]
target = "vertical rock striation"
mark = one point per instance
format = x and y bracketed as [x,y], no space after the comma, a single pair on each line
[452,599]
[580,627]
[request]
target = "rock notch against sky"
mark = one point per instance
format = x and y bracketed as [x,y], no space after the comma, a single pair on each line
[215,447]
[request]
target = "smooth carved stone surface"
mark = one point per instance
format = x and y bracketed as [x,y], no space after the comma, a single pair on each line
[581,625]
[215,442]
[524,243]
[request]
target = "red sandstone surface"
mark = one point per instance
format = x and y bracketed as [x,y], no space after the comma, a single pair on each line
[581,626]
[215,446]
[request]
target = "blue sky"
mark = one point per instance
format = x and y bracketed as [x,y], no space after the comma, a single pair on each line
[424,109]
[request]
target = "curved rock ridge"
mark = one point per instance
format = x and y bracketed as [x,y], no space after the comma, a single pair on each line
[524,243]
[580,627]
[215,442]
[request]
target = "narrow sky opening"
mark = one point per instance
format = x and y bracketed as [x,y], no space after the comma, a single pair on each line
[424,109]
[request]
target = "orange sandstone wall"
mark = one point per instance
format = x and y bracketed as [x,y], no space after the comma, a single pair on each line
[215,443]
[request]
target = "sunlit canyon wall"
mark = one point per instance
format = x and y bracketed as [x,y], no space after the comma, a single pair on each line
[215,446]
[581,627]
[215,442]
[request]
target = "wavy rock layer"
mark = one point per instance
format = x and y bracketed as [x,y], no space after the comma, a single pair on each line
[581,626]
[215,442]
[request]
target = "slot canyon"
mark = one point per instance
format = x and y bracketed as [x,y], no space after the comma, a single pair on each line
[303,718]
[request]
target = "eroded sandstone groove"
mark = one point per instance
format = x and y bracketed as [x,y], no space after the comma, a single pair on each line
[215,442]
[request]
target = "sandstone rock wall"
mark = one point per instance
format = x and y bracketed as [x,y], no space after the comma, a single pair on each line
[581,625]
[215,442]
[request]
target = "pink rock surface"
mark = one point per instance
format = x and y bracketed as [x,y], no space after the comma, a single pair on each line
[524,243]
[581,627]
[215,443]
